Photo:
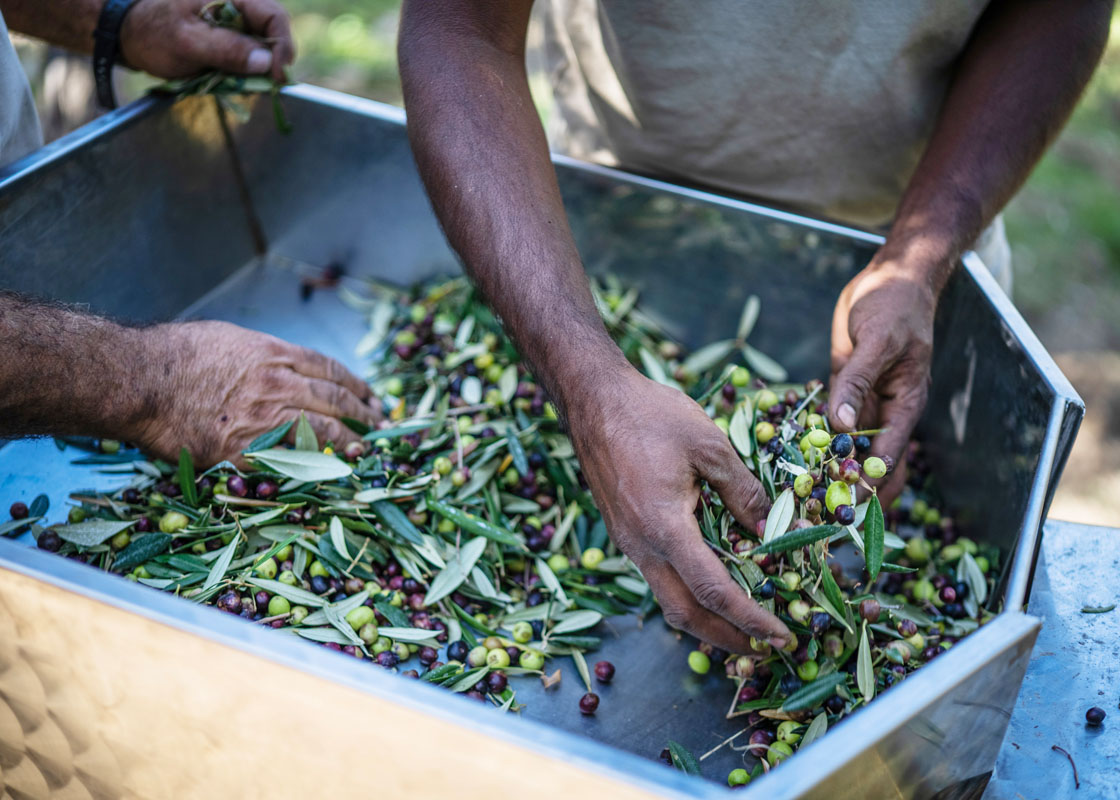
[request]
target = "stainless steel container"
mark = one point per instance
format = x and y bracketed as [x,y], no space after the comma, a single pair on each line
[109,689]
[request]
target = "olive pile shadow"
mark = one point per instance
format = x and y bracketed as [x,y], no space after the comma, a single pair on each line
[458,542]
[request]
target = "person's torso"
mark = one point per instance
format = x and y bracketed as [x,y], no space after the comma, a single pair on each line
[824,107]
[19,125]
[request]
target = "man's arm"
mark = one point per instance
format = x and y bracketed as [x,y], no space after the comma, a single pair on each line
[1015,86]
[208,386]
[643,447]
[166,38]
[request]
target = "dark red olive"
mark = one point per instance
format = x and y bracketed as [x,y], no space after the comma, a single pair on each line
[496,682]
[237,486]
[1095,715]
[589,703]
[18,510]
[604,671]
[50,541]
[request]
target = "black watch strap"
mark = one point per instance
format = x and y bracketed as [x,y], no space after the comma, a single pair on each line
[106,48]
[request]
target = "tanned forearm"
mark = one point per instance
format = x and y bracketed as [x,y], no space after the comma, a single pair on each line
[484,159]
[66,23]
[66,372]
[1017,82]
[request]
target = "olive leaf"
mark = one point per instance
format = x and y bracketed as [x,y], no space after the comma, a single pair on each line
[468,679]
[830,587]
[873,528]
[507,384]
[338,538]
[748,318]
[140,549]
[739,429]
[295,594]
[480,476]
[17,525]
[302,465]
[324,635]
[41,504]
[766,367]
[255,520]
[91,532]
[270,438]
[458,568]
[707,357]
[186,477]
[221,564]
[397,520]
[520,460]
[581,667]
[813,694]
[305,435]
[576,621]
[969,572]
[655,370]
[816,730]
[682,759]
[781,515]
[549,579]
[471,390]
[408,635]
[865,673]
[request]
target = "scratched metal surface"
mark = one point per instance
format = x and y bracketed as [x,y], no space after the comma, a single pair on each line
[1072,669]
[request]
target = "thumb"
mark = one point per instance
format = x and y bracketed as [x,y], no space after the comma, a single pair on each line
[229,51]
[852,384]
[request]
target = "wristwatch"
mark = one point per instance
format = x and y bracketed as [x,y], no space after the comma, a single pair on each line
[106,48]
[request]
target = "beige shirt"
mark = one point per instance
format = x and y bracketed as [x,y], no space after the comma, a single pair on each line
[820,107]
[19,124]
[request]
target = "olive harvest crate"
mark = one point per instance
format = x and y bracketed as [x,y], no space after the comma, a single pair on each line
[163,210]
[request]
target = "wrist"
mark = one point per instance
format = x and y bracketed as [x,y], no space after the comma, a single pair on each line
[147,385]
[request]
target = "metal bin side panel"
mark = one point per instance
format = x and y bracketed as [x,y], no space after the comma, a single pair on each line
[107,700]
[136,215]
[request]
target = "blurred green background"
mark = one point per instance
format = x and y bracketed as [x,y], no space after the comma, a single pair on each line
[1064,226]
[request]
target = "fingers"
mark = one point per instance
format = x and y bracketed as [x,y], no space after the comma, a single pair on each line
[220,48]
[268,19]
[316,365]
[327,429]
[903,403]
[709,584]
[332,400]
[854,382]
[737,487]
[680,610]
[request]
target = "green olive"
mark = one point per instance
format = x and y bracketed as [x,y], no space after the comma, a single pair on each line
[738,777]
[299,614]
[874,467]
[787,731]
[497,658]
[803,485]
[288,578]
[531,659]
[173,522]
[317,570]
[443,465]
[267,569]
[477,656]
[278,605]
[522,632]
[778,752]
[357,617]
[818,438]
[120,541]
[764,432]
[368,633]
[591,558]
[699,662]
[838,494]
[808,671]
[558,562]
[740,377]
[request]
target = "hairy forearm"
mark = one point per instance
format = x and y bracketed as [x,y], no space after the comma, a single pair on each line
[65,372]
[484,159]
[67,23]
[1017,82]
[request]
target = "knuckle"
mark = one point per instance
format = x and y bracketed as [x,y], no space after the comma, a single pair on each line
[710,595]
[677,616]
